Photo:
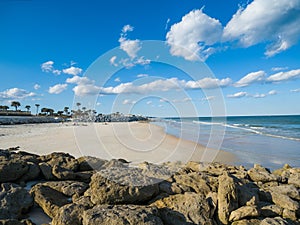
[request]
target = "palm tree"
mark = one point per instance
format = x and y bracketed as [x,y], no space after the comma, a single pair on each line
[28,107]
[15,104]
[78,104]
[5,107]
[37,108]
[66,110]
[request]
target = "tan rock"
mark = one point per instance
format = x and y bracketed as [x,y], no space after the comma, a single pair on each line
[187,208]
[261,174]
[243,212]
[70,214]
[227,197]
[284,201]
[274,221]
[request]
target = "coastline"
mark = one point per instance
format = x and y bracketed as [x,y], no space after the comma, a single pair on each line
[133,141]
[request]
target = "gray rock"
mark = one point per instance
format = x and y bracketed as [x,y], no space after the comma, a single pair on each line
[294,179]
[288,190]
[48,199]
[227,197]
[187,208]
[14,201]
[62,173]
[88,163]
[243,212]
[121,186]
[121,215]
[261,174]
[32,173]
[247,195]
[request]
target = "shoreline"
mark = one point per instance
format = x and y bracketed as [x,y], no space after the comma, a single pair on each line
[132,141]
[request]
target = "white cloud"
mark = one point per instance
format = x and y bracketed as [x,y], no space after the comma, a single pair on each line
[296,90]
[272,92]
[72,71]
[181,100]
[98,103]
[113,61]
[284,76]
[128,102]
[238,95]
[142,75]
[117,79]
[47,66]
[194,35]
[149,102]
[208,98]
[131,47]
[266,21]
[167,23]
[127,28]
[259,96]
[58,88]
[15,94]
[208,83]
[86,89]
[251,78]
[79,80]
[275,69]
[36,86]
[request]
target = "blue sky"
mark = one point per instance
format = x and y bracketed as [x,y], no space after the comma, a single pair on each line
[251,50]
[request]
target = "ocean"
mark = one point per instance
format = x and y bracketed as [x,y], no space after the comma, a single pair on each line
[271,141]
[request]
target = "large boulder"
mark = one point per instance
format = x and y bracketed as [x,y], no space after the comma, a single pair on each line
[284,201]
[68,188]
[70,214]
[11,169]
[121,215]
[261,174]
[227,197]
[48,199]
[14,201]
[185,209]
[275,221]
[121,186]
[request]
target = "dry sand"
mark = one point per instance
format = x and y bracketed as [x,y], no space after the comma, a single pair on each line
[135,142]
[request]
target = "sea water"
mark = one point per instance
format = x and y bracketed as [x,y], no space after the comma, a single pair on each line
[271,141]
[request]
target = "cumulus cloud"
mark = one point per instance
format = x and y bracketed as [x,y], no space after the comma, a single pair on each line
[49,68]
[117,79]
[58,88]
[250,78]
[266,21]
[79,80]
[284,76]
[194,35]
[113,61]
[238,95]
[86,89]
[36,86]
[72,71]
[15,94]
[131,47]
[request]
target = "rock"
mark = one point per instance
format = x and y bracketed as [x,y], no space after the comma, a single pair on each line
[288,190]
[227,197]
[212,198]
[61,159]
[11,170]
[187,208]
[48,199]
[288,214]
[70,214]
[121,215]
[46,170]
[63,173]
[270,210]
[15,222]
[83,200]
[247,222]
[14,201]
[157,171]
[284,201]
[274,221]
[243,212]
[32,173]
[68,188]
[88,163]
[261,174]
[119,186]
[247,195]
[294,179]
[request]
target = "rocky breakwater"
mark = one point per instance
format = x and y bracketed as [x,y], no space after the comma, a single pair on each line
[92,191]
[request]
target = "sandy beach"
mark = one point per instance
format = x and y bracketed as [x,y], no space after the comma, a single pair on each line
[135,142]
